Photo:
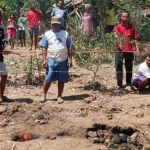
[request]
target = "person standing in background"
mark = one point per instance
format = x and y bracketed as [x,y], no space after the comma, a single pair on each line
[127,33]
[61,12]
[1,16]
[87,22]
[22,24]
[33,17]
[11,30]
[110,18]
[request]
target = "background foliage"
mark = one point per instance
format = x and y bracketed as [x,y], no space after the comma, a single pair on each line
[100,42]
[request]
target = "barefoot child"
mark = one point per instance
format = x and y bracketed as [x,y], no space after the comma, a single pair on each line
[11,30]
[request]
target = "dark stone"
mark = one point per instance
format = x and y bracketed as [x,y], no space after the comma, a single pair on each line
[140,146]
[117,139]
[120,139]
[113,147]
[133,142]
[96,140]
[125,146]
[123,139]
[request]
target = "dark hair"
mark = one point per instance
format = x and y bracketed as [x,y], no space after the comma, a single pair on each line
[31,5]
[125,11]
[61,1]
[22,15]
[13,16]
[148,55]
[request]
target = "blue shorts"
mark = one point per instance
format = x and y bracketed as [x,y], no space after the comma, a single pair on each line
[138,80]
[34,31]
[56,71]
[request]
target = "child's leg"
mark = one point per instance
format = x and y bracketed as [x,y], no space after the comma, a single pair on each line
[24,38]
[13,42]
[21,41]
[9,39]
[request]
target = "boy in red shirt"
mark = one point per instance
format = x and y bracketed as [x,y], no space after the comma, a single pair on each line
[33,17]
[128,34]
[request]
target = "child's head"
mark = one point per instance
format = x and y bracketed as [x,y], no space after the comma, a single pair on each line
[12,16]
[88,7]
[21,15]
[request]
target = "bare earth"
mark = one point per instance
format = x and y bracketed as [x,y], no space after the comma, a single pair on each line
[100,119]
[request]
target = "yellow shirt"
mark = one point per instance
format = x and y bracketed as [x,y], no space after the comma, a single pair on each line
[110,17]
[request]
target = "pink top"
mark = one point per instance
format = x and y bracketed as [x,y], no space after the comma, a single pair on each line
[87,24]
[11,28]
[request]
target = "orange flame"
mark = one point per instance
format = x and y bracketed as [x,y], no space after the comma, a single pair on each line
[25,137]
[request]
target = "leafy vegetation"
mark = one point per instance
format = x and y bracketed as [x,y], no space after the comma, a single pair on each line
[99,49]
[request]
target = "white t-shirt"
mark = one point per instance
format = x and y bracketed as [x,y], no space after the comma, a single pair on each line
[141,70]
[57,44]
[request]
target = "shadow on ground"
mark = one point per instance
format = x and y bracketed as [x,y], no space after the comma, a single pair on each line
[74,97]
[20,100]
[111,91]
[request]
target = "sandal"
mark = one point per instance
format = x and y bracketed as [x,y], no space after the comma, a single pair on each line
[60,100]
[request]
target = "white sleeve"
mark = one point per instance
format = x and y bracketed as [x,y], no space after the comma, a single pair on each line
[145,71]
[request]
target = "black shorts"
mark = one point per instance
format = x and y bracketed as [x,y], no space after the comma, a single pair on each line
[21,34]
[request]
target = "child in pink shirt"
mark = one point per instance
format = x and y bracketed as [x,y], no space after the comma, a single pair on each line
[11,30]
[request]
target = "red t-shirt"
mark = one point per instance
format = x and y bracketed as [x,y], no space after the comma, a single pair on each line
[33,18]
[128,35]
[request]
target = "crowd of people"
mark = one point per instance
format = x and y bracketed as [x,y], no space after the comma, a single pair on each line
[56,46]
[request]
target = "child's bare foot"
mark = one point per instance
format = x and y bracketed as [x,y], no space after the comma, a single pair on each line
[60,100]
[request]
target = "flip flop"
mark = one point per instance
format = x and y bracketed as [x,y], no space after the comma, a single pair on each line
[60,100]
[42,100]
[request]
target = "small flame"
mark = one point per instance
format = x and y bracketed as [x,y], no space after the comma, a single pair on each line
[25,137]
[22,137]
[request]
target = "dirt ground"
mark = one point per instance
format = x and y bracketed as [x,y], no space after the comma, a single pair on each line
[100,119]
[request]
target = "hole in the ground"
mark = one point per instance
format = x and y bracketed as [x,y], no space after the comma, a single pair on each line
[97,127]
[127,131]
[114,137]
